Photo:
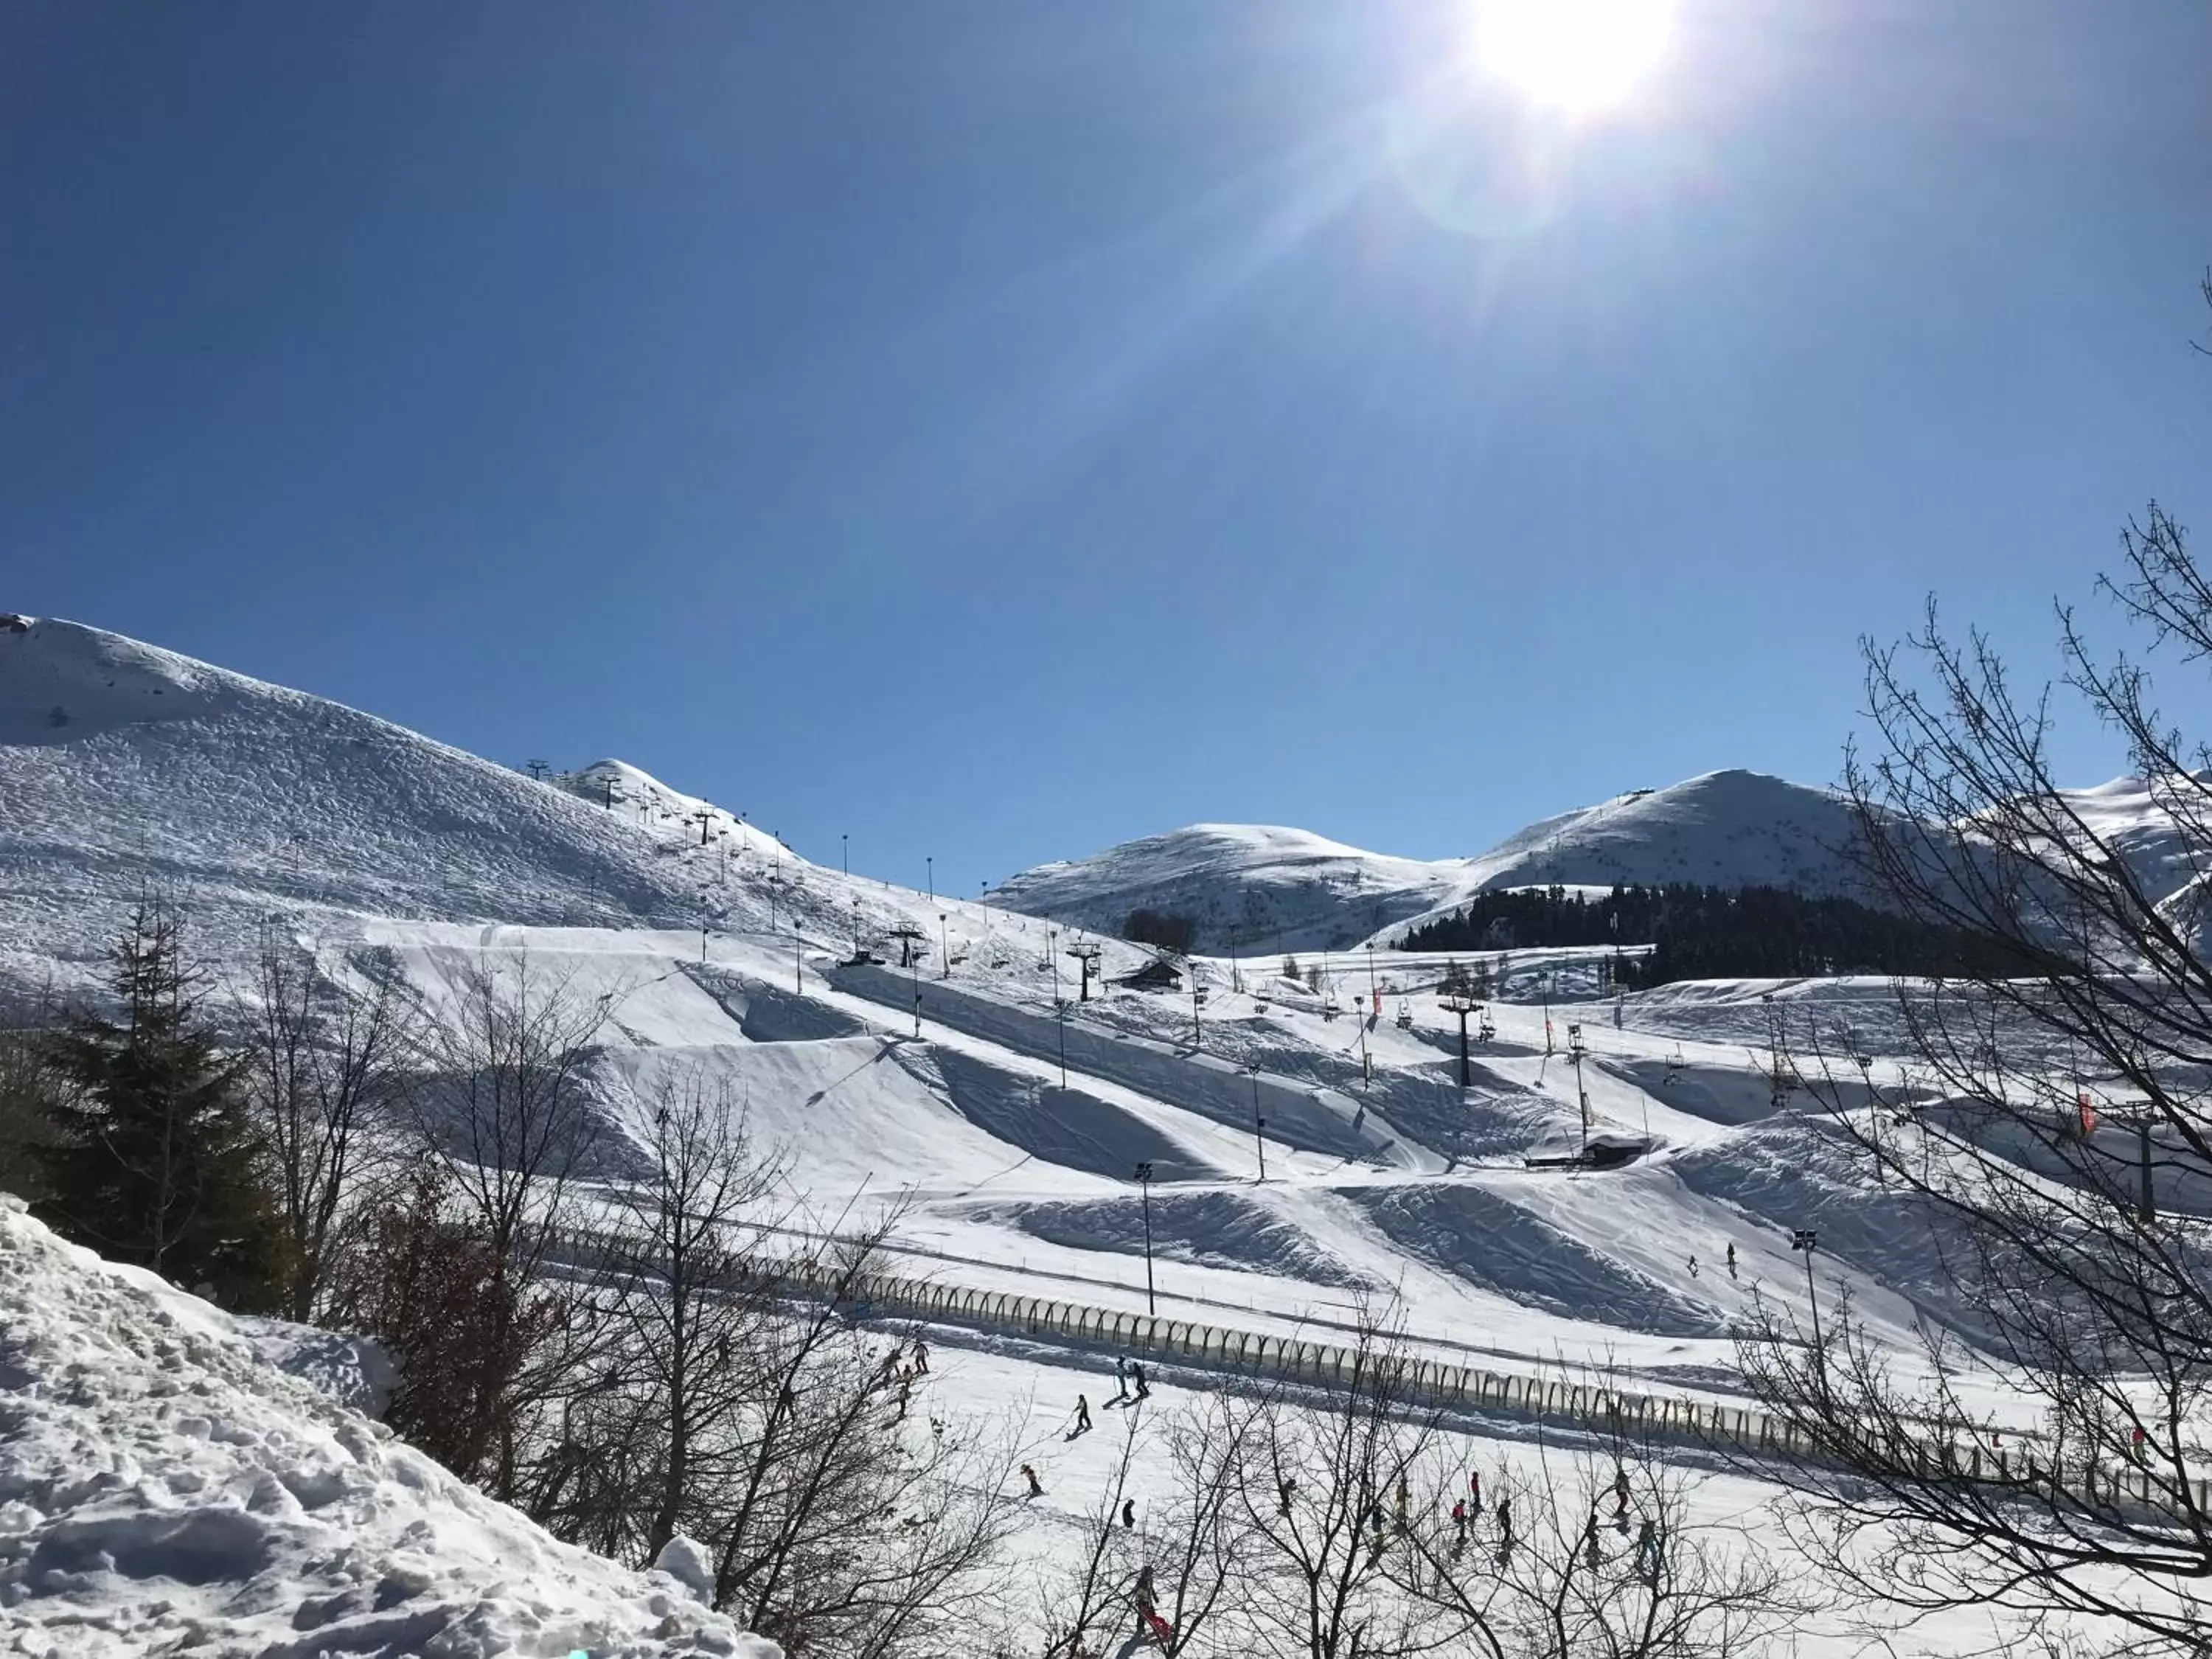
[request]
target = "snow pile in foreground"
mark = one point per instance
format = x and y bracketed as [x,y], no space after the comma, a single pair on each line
[163,1486]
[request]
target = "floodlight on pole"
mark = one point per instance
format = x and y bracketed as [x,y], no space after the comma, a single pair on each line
[845,852]
[1258,1123]
[1060,1006]
[945,947]
[931,863]
[1144,1185]
[1804,1238]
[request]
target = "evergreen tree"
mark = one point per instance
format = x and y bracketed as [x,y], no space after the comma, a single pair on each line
[155,1161]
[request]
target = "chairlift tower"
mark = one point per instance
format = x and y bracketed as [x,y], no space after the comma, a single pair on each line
[538,769]
[1461,1002]
[908,936]
[702,817]
[1087,957]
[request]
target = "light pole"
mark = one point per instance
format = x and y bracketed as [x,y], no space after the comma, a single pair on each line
[1575,1051]
[944,947]
[1258,1123]
[845,852]
[1804,1238]
[930,862]
[1059,1005]
[1144,1185]
[1197,1002]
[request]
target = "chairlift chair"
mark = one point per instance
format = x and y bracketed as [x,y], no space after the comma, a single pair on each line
[1405,1015]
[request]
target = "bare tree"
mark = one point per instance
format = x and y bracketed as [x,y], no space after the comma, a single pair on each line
[505,1114]
[2058,1143]
[1327,1490]
[327,1069]
[31,1089]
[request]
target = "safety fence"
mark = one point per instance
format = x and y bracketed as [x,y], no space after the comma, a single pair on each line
[1596,1409]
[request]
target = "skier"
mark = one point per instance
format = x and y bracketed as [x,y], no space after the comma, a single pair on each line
[1399,1506]
[1128,1515]
[1082,1415]
[1620,1498]
[1647,1550]
[1589,1539]
[1137,1377]
[1693,1266]
[1504,1534]
[1121,1377]
[921,1358]
[1731,1261]
[1459,1525]
[905,1392]
[1036,1486]
[1474,1493]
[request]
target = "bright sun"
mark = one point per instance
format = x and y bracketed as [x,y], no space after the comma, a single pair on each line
[1579,57]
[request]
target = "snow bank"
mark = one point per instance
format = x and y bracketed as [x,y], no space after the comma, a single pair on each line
[164,1486]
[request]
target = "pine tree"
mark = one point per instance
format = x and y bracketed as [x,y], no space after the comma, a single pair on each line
[155,1161]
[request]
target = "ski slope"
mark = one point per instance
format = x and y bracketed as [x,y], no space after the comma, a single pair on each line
[980,1088]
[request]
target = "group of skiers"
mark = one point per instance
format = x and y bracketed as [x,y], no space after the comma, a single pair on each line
[1129,1384]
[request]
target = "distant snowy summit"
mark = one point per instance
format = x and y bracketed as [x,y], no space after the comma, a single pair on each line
[1263,888]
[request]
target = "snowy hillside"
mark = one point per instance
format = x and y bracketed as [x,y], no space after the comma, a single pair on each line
[124,768]
[1261,888]
[164,1487]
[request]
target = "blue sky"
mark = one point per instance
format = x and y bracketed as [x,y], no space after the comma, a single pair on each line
[994,430]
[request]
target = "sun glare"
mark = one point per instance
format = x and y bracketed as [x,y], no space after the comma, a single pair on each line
[1579,57]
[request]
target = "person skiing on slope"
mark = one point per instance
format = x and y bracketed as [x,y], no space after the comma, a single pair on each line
[1693,1266]
[1647,1550]
[1137,1377]
[1474,1493]
[1459,1525]
[1128,1515]
[921,1358]
[1082,1415]
[1121,1377]
[1620,1497]
[1731,1261]
[1590,1538]
[1036,1486]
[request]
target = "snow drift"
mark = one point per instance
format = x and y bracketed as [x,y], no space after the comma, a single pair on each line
[164,1486]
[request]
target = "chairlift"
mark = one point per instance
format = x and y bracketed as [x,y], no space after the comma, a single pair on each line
[1405,1015]
[1486,1031]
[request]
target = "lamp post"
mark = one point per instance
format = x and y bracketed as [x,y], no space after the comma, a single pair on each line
[1059,1005]
[845,852]
[931,863]
[1804,1238]
[1144,1185]
[944,947]
[1258,1123]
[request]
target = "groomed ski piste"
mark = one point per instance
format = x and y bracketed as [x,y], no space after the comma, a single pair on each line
[967,1076]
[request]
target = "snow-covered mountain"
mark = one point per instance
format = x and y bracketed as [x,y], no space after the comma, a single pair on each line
[125,767]
[195,1495]
[1253,887]
[1266,888]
